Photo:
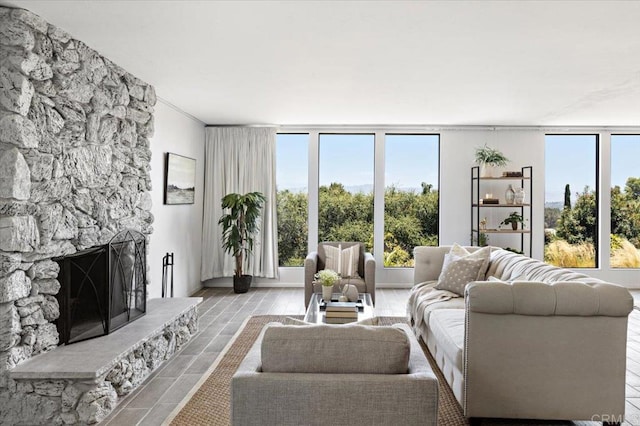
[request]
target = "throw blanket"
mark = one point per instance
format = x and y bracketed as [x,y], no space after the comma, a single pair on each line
[420,297]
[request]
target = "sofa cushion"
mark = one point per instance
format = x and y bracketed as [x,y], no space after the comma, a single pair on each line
[454,303]
[356,349]
[457,252]
[458,272]
[346,259]
[357,281]
[447,330]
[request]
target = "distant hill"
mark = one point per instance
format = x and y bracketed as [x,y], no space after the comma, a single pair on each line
[360,189]
[357,189]
[554,205]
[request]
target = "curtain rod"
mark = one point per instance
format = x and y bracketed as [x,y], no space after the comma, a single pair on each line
[425,127]
[242,125]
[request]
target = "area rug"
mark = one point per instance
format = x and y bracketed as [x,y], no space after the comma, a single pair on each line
[208,403]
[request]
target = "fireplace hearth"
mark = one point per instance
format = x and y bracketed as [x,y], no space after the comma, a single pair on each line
[102,288]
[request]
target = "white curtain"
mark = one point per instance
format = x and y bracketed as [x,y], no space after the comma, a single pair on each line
[240,160]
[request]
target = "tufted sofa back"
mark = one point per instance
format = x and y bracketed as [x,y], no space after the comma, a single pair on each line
[504,265]
[507,266]
[428,262]
[560,298]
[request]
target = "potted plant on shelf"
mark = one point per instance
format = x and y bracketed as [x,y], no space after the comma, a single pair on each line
[239,224]
[488,158]
[514,219]
[327,278]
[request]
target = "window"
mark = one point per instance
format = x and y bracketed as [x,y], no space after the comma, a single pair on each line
[571,200]
[344,192]
[292,197]
[345,196]
[625,201]
[410,196]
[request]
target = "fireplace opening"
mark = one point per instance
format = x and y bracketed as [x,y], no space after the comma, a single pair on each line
[102,288]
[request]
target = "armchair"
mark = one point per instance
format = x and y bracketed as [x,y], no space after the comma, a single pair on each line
[365,281]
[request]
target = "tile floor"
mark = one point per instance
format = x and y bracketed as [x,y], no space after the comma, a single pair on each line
[221,314]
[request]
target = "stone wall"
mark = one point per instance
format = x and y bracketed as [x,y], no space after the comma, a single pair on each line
[74,169]
[71,401]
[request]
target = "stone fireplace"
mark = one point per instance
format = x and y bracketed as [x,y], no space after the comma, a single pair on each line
[74,172]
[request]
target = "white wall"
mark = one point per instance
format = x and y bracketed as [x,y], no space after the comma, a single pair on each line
[177,228]
[457,149]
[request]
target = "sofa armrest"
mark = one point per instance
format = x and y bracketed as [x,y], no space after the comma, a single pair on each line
[546,350]
[370,275]
[310,269]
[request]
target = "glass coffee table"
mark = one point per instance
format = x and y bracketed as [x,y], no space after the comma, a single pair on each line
[315,312]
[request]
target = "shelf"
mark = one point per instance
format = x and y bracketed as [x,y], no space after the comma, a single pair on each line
[502,178]
[481,185]
[503,231]
[502,205]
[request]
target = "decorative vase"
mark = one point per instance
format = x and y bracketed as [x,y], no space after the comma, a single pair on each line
[514,225]
[351,292]
[486,170]
[519,196]
[509,195]
[327,292]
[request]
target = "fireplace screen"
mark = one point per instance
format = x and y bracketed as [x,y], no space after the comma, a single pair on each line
[102,288]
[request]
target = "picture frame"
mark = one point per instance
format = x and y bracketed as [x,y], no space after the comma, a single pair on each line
[179,179]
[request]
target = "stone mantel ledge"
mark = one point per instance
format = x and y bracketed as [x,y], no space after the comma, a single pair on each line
[90,360]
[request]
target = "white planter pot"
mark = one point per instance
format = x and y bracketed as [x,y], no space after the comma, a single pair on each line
[327,291]
[486,170]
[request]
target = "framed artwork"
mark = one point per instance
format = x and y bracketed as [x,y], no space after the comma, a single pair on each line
[179,179]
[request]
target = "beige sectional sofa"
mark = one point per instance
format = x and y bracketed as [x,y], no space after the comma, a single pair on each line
[549,345]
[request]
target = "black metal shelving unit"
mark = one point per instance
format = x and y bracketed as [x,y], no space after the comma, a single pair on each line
[525,209]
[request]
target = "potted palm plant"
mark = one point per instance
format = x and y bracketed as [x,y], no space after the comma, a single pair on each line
[488,158]
[239,224]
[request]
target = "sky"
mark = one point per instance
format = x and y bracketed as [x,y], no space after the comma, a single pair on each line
[625,158]
[569,159]
[412,159]
[292,157]
[349,159]
[572,159]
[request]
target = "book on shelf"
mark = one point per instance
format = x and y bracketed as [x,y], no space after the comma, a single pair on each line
[338,320]
[341,306]
[490,201]
[342,314]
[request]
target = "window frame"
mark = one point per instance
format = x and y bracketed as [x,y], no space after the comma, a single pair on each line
[399,274]
[300,133]
[612,135]
[598,238]
[439,153]
[374,183]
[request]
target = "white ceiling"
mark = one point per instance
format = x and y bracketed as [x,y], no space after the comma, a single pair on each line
[373,62]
